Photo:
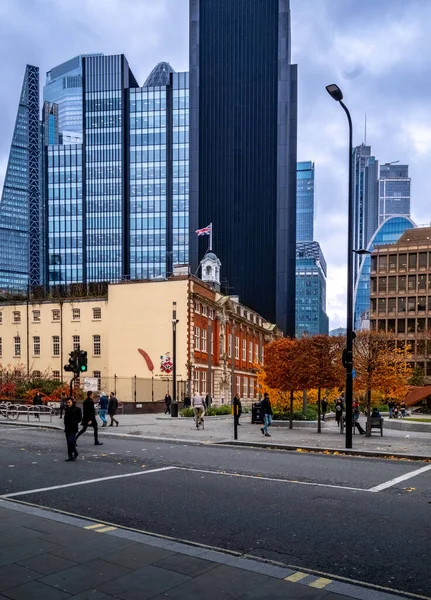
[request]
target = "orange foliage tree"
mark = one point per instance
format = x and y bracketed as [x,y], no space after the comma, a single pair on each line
[319,365]
[281,369]
[380,367]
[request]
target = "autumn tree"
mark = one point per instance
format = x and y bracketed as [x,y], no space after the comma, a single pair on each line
[319,365]
[281,368]
[380,367]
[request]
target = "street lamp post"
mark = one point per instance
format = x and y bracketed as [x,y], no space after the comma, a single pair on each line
[335,93]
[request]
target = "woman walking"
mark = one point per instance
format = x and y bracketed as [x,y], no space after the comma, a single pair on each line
[72,418]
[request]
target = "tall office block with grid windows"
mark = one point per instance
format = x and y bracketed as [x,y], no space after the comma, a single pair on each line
[20,200]
[243,149]
[116,171]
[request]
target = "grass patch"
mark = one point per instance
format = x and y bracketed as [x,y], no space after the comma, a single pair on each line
[417,420]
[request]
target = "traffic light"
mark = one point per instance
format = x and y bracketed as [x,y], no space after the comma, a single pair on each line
[82,361]
[73,362]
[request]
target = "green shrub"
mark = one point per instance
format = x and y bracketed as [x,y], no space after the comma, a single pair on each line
[187,412]
[212,411]
[310,415]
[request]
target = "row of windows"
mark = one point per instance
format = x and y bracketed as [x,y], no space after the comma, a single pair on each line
[401,283]
[243,312]
[97,346]
[246,390]
[400,262]
[76,315]
[409,326]
[403,304]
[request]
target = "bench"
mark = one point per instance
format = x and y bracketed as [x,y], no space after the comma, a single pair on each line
[376,423]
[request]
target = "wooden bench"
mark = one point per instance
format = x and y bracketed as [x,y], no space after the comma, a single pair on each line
[376,423]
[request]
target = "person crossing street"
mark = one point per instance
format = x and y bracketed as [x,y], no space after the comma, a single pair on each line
[72,418]
[89,418]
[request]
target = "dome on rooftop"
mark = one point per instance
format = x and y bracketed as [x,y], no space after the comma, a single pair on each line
[160,75]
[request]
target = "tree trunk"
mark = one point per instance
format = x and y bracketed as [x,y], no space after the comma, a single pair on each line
[368,427]
[319,424]
[304,401]
[291,410]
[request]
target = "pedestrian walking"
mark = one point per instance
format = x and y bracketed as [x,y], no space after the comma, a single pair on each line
[72,418]
[168,402]
[403,410]
[267,414]
[208,400]
[198,405]
[37,401]
[324,406]
[187,401]
[103,408]
[112,409]
[89,418]
[237,408]
[339,407]
[356,413]
[63,400]
[391,405]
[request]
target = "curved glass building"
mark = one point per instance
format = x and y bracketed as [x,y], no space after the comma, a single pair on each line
[389,232]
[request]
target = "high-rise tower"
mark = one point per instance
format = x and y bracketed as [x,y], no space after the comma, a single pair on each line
[243,124]
[20,201]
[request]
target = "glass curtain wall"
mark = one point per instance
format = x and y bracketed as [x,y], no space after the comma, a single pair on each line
[180,168]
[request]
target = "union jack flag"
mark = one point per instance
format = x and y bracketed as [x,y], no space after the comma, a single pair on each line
[204,231]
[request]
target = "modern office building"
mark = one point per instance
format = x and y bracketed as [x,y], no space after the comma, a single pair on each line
[365,203]
[401,293]
[243,122]
[116,171]
[389,232]
[20,219]
[394,191]
[311,317]
[305,201]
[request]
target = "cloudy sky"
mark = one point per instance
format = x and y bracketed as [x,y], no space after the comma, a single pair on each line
[377,51]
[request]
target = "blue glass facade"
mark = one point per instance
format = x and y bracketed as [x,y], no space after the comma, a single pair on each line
[311,317]
[180,168]
[20,207]
[389,232]
[394,191]
[305,201]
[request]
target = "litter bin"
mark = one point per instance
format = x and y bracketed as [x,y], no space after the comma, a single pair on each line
[174,409]
[256,413]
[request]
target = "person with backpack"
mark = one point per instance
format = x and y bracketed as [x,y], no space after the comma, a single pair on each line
[267,414]
[112,409]
[103,408]
[339,407]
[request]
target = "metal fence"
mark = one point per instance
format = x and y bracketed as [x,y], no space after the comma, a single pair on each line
[141,389]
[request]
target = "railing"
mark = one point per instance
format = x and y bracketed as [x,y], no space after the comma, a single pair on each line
[14,411]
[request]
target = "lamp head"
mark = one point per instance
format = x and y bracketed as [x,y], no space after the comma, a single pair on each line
[335,92]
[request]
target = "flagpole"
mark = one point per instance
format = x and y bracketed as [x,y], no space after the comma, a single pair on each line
[211,237]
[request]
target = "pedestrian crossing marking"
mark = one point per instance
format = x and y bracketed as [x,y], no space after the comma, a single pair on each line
[105,529]
[100,528]
[96,526]
[296,576]
[320,583]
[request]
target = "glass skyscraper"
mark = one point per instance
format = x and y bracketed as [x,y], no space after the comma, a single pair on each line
[20,207]
[311,317]
[117,186]
[243,122]
[394,191]
[388,232]
[305,202]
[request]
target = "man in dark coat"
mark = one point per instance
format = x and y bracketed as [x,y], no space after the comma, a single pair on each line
[37,401]
[267,414]
[168,402]
[112,409]
[324,407]
[89,418]
[72,418]
[237,408]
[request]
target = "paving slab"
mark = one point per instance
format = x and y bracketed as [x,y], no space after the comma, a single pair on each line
[13,575]
[280,590]
[137,556]
[35,591]
[47,564]
[145,583]
[187,565]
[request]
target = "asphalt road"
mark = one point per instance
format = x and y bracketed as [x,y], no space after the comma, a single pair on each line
[306,510]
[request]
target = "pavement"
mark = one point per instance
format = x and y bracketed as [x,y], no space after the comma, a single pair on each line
[46,556]
[220,430]
[326,523]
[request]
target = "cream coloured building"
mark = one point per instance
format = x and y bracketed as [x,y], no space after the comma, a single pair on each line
[134,320]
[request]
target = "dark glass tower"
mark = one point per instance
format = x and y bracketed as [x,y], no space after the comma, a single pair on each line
[243,121]
[20,217]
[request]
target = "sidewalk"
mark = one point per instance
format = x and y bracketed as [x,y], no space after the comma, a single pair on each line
[220,429]
[49,556]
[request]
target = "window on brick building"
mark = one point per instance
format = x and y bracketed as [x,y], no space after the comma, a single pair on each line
[196,382]
[36,345]
[203,382]
[236,346]
[250,352]
[17,345]
[97,346]
[56,345]
[244,349]
[204,340]
[197,338]
[245,387]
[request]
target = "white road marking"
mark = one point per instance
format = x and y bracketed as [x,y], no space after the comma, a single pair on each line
[86,482]
[327,485]
[392,482]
